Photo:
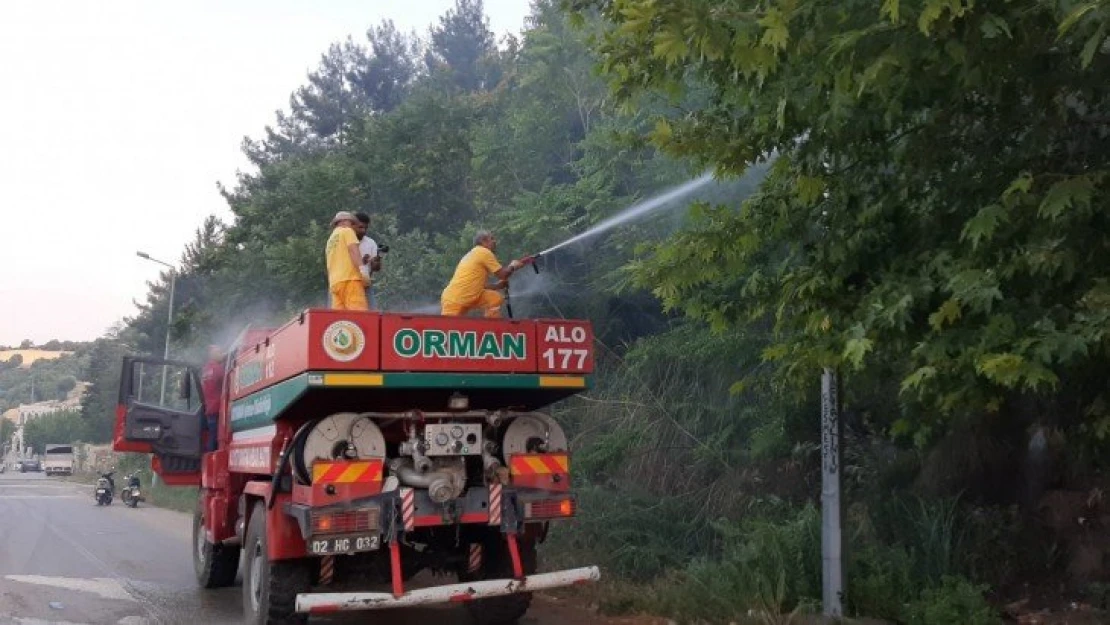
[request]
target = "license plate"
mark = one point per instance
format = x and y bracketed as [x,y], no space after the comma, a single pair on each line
[342,544]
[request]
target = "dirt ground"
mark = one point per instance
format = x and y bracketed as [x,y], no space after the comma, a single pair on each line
[1063,613]
[567,608]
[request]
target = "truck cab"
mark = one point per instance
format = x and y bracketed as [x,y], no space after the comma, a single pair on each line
[368,446]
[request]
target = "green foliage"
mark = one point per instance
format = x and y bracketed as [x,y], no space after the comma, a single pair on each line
[1098,595]
[7,429]
[49,378]
[769,564]
[935,533]
[772,566]
[180,498]
[635,535]
[917,198]
[98,407]
[462,48]
[522,139]
[922,219]
[995,549]
[956,600]
[58,427]
[880,581]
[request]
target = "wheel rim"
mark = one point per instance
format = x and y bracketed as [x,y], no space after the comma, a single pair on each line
[256,574]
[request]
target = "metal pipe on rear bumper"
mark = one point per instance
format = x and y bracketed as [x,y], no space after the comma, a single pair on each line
[323,603]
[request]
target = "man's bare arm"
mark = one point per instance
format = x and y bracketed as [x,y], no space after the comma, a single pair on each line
[506,271]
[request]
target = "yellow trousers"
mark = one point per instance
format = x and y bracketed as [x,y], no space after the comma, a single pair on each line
[489,302]
[349,295]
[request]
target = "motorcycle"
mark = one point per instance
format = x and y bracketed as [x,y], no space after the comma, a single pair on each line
[131,494]
[104,489]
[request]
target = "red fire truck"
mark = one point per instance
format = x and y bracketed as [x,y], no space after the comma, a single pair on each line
[356,449]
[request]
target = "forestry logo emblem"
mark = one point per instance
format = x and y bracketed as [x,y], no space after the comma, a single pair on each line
[344,341]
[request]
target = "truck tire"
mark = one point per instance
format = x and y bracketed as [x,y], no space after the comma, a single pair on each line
[498,564]
[270,588]
[215,565]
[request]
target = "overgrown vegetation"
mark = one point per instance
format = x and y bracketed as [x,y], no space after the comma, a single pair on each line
[917,197]
[180,498]
[65,426]
[44,379]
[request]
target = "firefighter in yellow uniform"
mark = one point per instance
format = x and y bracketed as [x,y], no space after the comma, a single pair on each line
[469,288]
[344,259]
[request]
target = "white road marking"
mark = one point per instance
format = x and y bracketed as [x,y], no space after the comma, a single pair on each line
[18,620]
[41,497]
[104,586]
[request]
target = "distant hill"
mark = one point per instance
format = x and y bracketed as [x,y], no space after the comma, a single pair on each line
[34,374]
[31,355]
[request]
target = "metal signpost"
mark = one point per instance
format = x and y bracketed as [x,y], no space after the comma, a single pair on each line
[832,568]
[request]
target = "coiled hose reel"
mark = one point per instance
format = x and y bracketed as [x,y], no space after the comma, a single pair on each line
[341,436]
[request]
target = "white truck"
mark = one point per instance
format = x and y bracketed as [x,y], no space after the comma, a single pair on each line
[58,460]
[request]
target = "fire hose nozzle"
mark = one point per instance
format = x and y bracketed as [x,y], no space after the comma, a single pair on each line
[531,260]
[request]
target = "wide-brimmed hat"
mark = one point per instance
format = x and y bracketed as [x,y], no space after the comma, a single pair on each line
[343,216]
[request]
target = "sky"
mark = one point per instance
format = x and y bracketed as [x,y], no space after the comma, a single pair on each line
[117,120]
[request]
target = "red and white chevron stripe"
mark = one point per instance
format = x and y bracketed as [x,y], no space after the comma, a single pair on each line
[475,561]
[327,570]
[495,504]
[408,508]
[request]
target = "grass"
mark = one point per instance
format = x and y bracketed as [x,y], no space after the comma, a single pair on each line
[766,567]
[179,498]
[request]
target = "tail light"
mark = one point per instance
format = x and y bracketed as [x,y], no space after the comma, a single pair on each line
[345,521]
[550,509]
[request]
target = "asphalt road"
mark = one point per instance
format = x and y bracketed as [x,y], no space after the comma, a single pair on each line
[65,560]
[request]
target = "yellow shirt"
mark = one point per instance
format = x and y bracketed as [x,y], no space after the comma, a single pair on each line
[471,276]
[338,255]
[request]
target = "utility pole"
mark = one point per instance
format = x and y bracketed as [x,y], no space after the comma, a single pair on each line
[169,321]
[832,566]
[169,324]
[169,317]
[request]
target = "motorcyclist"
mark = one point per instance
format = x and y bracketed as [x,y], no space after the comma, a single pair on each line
[111,482]
[133,480]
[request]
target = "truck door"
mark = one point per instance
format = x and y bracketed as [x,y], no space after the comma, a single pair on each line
[161,411]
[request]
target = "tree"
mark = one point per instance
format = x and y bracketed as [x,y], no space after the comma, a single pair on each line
[935,208]
[99,403]
[64,385]
[57,427]
[26,344]
[329,100]
[7,429]
[415,163]
[352,81]
[462,47]
[386,73]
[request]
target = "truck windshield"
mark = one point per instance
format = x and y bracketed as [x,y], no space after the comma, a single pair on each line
[58,449]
